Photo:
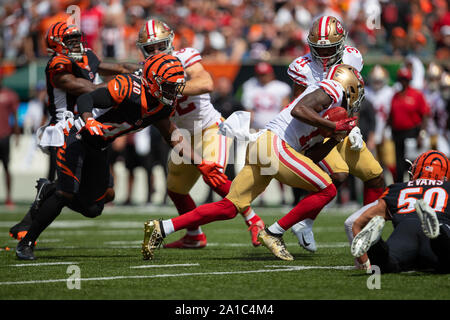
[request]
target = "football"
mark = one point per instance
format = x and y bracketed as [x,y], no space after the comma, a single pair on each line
[333,114]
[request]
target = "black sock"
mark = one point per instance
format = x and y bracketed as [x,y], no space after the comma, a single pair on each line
[49,210]
[163,233]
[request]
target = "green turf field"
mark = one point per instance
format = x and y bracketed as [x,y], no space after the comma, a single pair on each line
[107,252]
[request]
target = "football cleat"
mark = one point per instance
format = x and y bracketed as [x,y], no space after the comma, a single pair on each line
[305,236]
[428,219]
[367,236]
[152,238]
[25,251]
[44,188]
[275,244]
[254,229]
[188,242]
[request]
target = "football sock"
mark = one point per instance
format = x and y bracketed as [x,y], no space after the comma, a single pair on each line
[372,194]
[221,210]
[309,207]
[276,230]
[50,209]
[184,203]
[250,216]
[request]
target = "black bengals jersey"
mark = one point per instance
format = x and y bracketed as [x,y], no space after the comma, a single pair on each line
[127,107]
[401,197]
[60,100]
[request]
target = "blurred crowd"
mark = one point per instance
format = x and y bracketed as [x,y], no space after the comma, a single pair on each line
[231,30]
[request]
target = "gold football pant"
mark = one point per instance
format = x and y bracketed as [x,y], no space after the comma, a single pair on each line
[342,159]
[270,157]
[211,145]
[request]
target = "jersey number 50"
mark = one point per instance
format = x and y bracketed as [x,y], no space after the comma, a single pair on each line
[436,198]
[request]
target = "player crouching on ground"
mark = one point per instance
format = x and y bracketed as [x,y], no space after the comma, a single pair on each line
[128,103]
[421,217]
[279,152]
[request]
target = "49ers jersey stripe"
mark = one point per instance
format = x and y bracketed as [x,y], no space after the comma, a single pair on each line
[334,95]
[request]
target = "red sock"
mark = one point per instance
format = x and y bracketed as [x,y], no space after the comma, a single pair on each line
[183,202]
[221,210]
[309,207]
[372,194]
[223,189]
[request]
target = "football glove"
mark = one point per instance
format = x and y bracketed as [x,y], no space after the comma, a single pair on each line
[355,138]
[95,128]
[346,124]
[211,173]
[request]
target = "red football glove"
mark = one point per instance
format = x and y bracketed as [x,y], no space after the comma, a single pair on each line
[346,124]
[211,173]
[95,128]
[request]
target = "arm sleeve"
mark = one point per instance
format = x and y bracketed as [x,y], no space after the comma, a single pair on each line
[99,98]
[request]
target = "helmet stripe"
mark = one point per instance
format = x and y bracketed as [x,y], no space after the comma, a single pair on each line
[323,26]
[146,28]
[153,27]
[326,28]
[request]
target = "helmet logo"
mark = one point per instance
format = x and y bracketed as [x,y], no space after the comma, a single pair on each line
[358,75]
[339,28]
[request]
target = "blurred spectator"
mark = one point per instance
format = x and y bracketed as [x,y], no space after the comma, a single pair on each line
[408,118]
[380,94]
[9,103]
[264,96]
[233,30]
[437,121]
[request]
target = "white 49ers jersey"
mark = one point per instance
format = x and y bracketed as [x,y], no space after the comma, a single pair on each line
[296,133]
[381,101]
[264,100]
[306,71]
[193,111]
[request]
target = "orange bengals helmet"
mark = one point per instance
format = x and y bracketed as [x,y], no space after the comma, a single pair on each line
[66,40]
[432,165]
[163,77]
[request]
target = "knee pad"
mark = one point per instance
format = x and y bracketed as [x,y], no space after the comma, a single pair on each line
[93,211]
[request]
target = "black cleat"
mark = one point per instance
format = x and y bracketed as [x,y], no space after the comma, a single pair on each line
[25,251]
[44,189]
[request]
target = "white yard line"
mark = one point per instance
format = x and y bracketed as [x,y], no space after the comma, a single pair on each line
[286,269]
[165,265]
[41,264]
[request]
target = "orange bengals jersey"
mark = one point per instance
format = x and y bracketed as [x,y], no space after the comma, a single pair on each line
[401,197]
[132,109]
[60,100]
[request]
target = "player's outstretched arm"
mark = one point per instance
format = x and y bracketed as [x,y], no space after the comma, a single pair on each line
[76,86]
[212,172]
[380,209]
[110,69]
[200,81]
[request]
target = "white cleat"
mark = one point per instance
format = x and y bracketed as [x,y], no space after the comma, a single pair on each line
[428,219]
[303,231]
[367,236]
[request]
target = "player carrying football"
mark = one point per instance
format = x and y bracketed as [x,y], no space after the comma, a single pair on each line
[128,103]
[279,152]
[194,113]
[326,41]
[421,217]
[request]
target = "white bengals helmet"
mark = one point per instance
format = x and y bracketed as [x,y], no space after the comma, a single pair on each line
[155,34]
[326,40]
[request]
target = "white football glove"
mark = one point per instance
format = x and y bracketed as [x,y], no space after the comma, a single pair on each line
[355,139]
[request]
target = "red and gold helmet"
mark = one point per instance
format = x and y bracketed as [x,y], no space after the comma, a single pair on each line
[432,165]
[163,77]
[155,34]
[326,41]
[66,40]
[352,82]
